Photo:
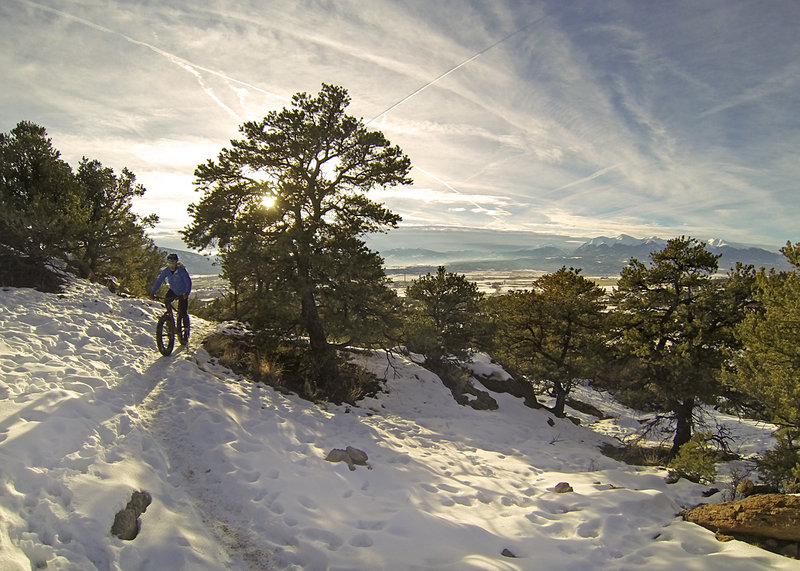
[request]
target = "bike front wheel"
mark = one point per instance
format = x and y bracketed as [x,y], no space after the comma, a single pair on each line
[165,334]
[183,329]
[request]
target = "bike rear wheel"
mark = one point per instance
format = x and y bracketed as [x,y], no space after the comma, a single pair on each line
[165,334]
[183,329]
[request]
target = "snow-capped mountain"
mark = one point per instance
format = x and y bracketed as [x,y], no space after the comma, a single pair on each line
[624,240]
[463,251]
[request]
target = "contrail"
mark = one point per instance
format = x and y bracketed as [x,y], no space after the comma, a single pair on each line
[442,76]
[451,70]
[179,61]
[592,176]
[451,188]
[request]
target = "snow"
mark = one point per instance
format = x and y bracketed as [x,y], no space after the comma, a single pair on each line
[90,412]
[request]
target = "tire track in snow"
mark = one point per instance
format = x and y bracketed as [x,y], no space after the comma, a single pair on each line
[75,367]
[163,414]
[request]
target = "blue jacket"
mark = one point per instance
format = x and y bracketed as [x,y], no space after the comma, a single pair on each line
[179,281]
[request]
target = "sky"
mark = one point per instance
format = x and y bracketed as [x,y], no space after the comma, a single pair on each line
[90,412]
[572,118]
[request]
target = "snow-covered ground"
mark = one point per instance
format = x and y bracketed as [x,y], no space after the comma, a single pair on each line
[90,411]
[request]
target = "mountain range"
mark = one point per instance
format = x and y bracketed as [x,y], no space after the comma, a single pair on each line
[196,264]
[599,256]
[468,250]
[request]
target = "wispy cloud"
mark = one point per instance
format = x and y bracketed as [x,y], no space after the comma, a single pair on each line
[589,118]
[194,69]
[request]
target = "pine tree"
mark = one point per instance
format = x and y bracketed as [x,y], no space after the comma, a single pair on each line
[676,323]
[768,366]
[316,163]
[40,208]
[552,333]
[82,219]
[445,314]
[112,243]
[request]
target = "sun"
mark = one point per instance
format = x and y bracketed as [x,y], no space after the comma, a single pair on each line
[268,201]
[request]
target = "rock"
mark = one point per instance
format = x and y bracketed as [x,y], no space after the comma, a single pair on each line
[339,455]
[563,488]
[770,516]
[358,456]
[747,488]
[507,553]
[350,455]
[518,388]
[126,523]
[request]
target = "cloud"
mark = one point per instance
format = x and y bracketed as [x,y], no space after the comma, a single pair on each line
[601,115]
[429,196]
[194,69]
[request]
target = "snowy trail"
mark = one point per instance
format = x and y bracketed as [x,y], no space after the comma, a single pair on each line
[71,418]
[89,411]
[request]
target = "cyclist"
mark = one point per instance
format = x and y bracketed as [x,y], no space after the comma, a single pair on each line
[180,284]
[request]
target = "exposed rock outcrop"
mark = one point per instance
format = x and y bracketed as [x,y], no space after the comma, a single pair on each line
[507,384]
[771,521]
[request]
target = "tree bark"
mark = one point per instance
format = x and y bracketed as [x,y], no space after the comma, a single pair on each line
[561,399]
[325,367]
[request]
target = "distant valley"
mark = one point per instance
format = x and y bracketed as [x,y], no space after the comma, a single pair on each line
[601,256]
[502,256]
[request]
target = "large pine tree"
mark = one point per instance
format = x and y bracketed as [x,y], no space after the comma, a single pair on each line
[676,323]
[313,164]
[40,206]
[112,242]
[83,219]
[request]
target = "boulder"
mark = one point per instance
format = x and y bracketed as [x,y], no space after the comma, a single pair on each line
[126,523]
[769,516]
[350,455]
[357,456]
[518,388]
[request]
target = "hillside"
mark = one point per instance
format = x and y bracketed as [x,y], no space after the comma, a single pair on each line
[197,264]
[90,412]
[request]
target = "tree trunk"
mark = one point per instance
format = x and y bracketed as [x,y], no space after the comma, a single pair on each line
[685,424]
[561,399]
[324,356]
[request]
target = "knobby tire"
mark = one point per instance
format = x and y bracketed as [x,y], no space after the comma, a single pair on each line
[165,339]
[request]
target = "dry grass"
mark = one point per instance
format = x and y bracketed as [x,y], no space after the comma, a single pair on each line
[232,352]
[637,455]
[288,368]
